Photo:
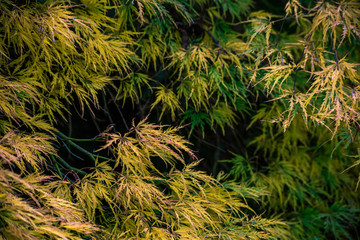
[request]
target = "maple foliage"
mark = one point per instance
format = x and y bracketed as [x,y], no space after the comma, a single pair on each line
[108,107]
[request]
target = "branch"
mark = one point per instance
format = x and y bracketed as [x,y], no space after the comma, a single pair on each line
[118,109]
[66,165]
[106,111]
[297,64]
[213,38]
[281,28]
[205,30]
[93,118]
[336,56]
[70,141]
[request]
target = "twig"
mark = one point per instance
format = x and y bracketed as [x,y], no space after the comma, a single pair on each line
[209,33]
[297,64]
[281,28]
[106,111]
[84,139]
[294,86]
[336,56]
[69,120]
[205,30]
[56,166]
[357,132]
[216,155]
[91,155]
[69,124]
[94,120]
[69,150]
[66,138]
[66,165]
[118,109]
[213,38]
[210,144]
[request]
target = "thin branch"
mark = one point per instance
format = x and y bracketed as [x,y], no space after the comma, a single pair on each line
[93,118]
[294,86]
[118,109]
[210,144]
[69,124]
[208,32]
[357,132]
[56,166]
[213,38]
[106,111]
[281,28]
[69,150]
[55,159]
[297,64]
[66,138]
[84,139]
[216,155]
[91,155]
[336,56]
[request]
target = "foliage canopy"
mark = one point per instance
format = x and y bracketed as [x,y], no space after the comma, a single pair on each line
[275,92]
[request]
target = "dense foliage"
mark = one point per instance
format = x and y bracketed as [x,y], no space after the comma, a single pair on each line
[103,103]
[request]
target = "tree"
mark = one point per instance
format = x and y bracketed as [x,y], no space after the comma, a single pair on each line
[75,74]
